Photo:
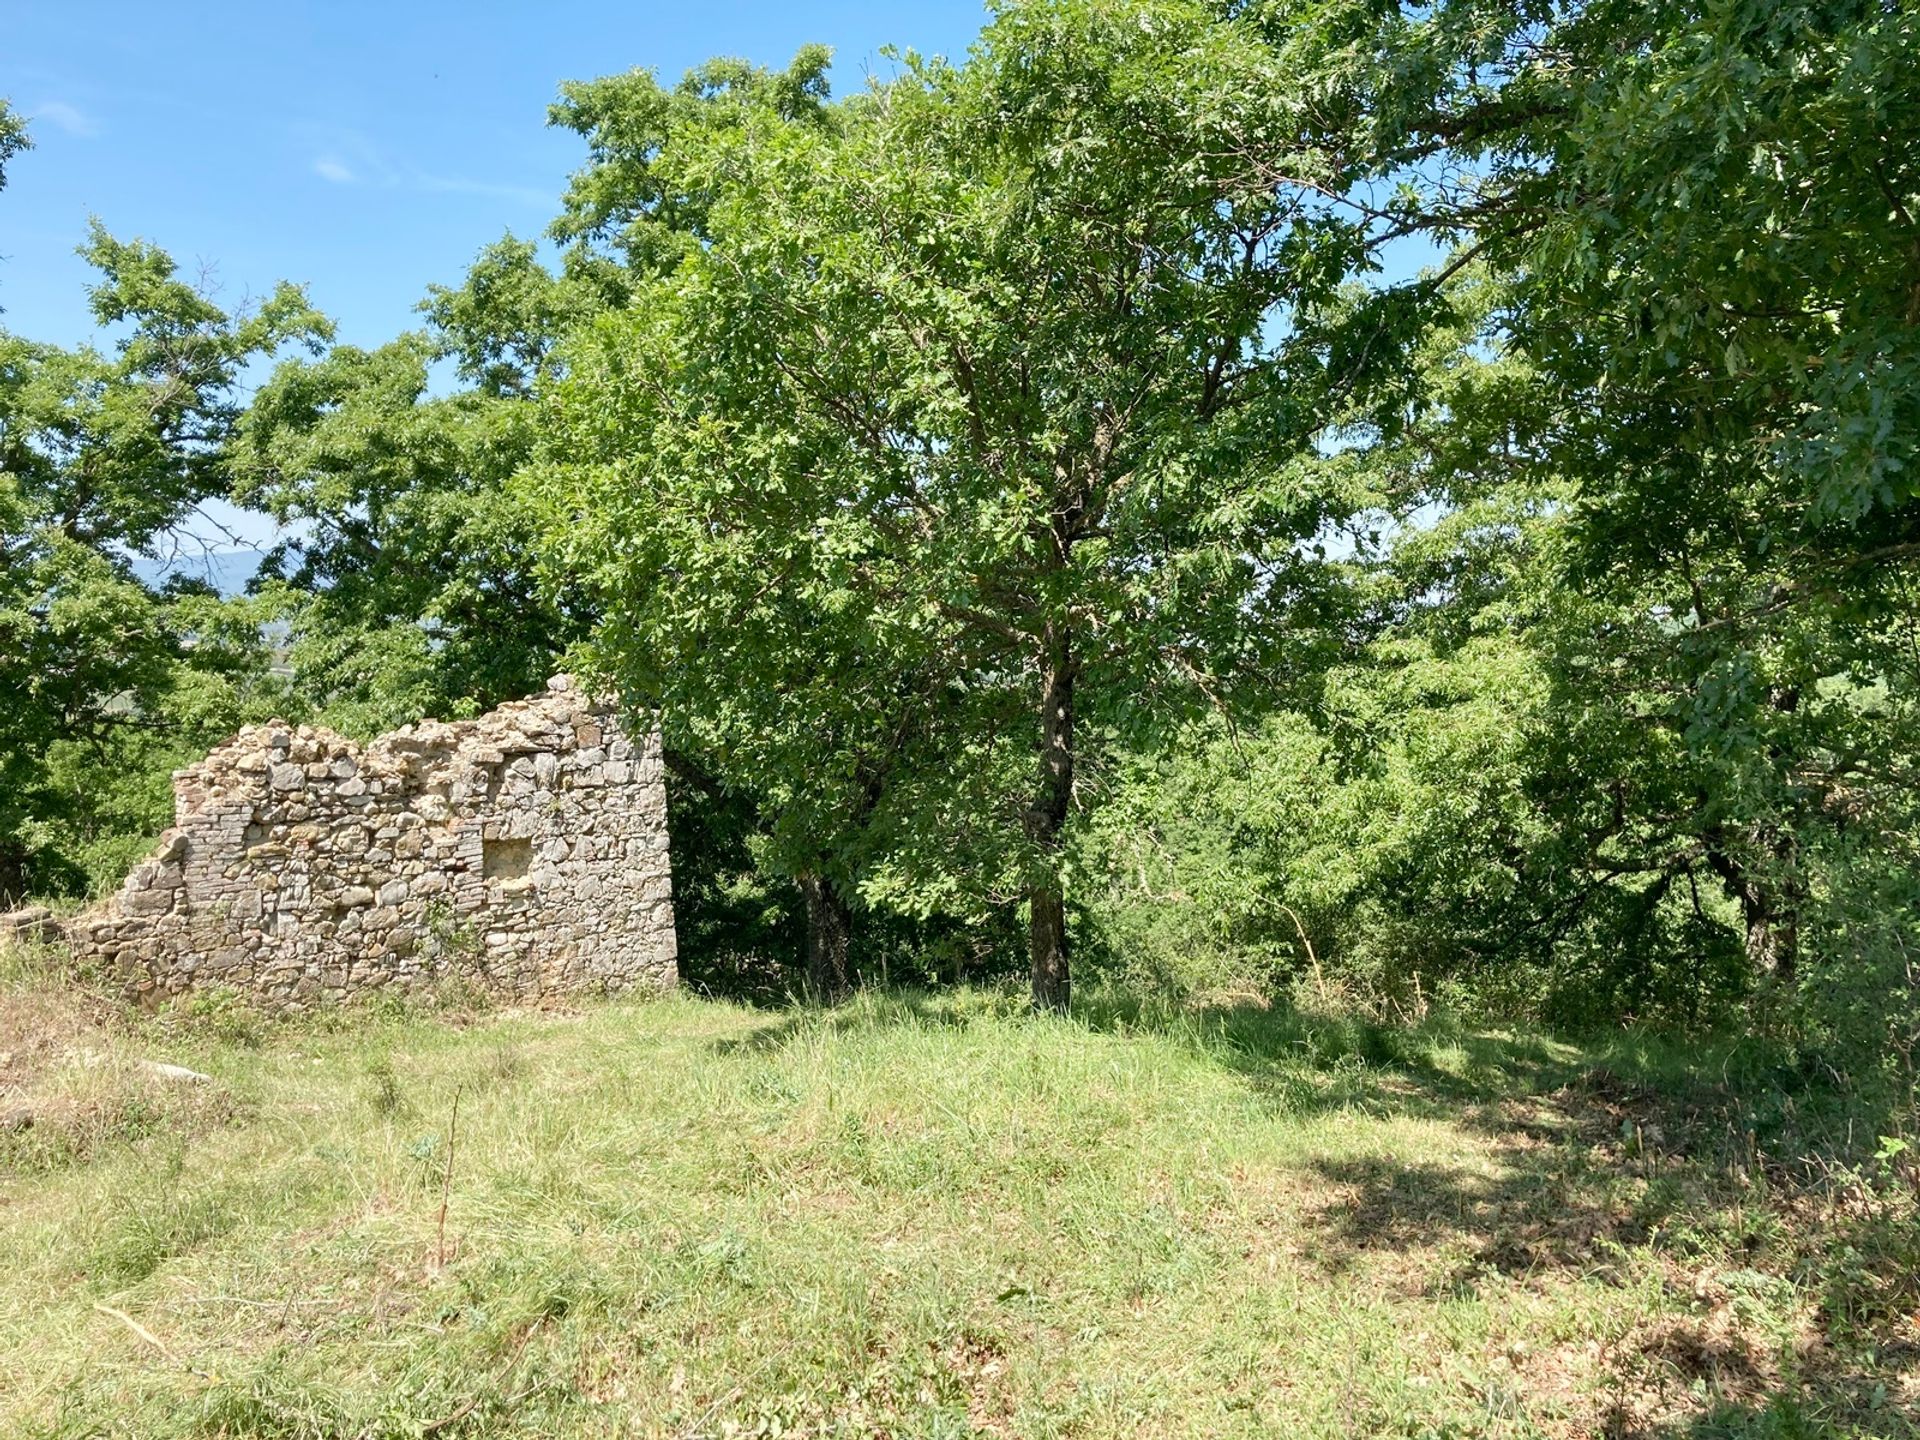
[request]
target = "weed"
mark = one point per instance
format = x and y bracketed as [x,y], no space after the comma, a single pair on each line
[384,1093]
[155,1225]
[448,933]
[505,1063]
[218,1012]
[460,997]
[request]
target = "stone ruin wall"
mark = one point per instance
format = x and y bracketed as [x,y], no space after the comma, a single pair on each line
[525,851]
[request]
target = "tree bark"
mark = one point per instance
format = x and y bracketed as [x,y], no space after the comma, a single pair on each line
[828,925]
[1773,936]
[1769,907]
[1773,913]
[1047,923]
[13,877]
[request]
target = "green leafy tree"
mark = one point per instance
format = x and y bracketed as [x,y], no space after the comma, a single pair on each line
[405,580]
[816,777]
[1711,212]
[1463,806]
[633,213]
[13,138]
[1007,377]
[1683,493]
[105,459]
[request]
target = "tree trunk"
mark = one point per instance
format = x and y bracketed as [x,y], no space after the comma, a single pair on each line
[13,876]
[1770,908]
[1047,940]
[1047,924]
[1773,936]
[828,925]
[1772,913]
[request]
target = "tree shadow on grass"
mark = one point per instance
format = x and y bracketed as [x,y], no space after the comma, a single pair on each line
[1790,1276]
[1725,1168]
[1760,1326]
[869,1012]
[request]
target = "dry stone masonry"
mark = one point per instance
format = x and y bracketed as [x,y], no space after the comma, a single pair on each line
[525,851]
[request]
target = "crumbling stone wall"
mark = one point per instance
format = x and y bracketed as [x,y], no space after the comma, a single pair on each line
[525,850]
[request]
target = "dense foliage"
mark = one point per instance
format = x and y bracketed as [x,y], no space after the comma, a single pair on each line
[1037,491]
[405,580]
[1008,375]
[109,680]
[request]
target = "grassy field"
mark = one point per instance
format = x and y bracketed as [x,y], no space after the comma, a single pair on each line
[927,1216]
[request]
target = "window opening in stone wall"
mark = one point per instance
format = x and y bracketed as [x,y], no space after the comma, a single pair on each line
[505,859]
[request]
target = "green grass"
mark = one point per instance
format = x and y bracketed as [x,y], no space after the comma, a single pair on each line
[938,1216]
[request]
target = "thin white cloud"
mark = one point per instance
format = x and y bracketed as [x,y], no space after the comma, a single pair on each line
[70,118]
[344,156]
[348,157]
[447,185]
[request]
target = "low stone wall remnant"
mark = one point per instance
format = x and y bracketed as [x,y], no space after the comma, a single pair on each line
[525,851]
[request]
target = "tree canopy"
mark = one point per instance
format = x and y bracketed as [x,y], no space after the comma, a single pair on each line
[990,398]
[105,459]
[1416,497]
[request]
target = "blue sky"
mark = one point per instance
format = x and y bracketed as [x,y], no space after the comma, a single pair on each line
[365,150]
